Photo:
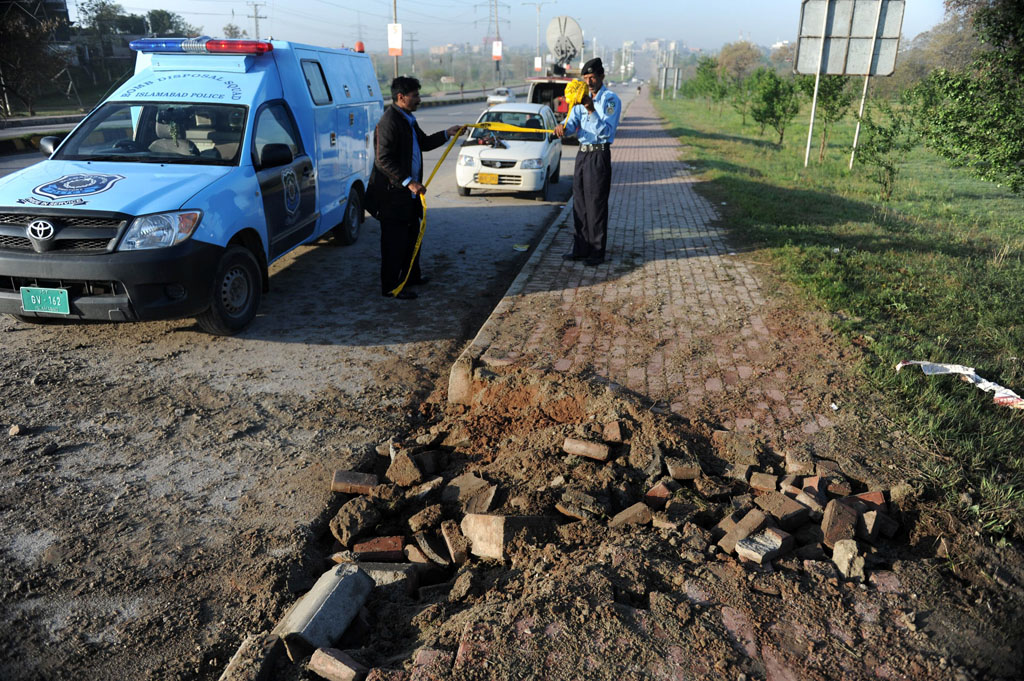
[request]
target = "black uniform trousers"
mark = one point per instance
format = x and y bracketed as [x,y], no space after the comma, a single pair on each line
[400,215]
[591,184]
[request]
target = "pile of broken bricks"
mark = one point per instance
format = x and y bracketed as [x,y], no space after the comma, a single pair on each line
[804,511]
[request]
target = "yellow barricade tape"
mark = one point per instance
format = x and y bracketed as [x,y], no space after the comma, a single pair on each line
[493,126]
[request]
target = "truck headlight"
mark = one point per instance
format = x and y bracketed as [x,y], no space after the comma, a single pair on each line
[160,230]
[532,164]
[466,160]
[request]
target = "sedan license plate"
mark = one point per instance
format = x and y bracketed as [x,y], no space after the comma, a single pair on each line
[53,300]
[487,178]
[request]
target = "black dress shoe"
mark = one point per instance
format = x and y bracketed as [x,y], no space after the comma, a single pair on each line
[419,282]
[593,261]
[572,256]
[402,295]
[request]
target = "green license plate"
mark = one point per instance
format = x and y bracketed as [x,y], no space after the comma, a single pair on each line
[54,300]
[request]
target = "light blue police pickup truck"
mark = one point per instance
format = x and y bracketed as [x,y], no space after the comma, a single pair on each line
[171,198]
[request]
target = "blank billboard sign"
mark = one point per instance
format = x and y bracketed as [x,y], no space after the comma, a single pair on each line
[861,37]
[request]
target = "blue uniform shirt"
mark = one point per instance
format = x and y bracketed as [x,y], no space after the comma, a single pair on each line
[598,127]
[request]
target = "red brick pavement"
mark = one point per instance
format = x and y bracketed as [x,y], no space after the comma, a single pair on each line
[672,314]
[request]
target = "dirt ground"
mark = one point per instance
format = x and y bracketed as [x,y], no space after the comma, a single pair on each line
[152,584]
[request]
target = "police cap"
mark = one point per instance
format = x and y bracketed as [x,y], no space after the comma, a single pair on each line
[593,66]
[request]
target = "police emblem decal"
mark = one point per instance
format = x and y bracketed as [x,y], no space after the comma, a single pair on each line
[610,108]
[79,184]
[291,191]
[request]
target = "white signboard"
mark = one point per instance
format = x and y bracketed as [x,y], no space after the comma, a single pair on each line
[538,64]
[394,40]
[496,50]
[849,37]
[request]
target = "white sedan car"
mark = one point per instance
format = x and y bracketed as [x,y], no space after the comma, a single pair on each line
[511,161]
[501,95]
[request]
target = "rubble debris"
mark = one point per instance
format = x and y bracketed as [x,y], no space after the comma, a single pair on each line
[357,516]
[789,514]
[388,574]
[579,505]
[764,546]
[255,658]
[839,522]
[590,450]
[321,616]
[682,469]
[422,490]
[751,522]
[613,432]
[426,519]
[800,460]
[489,535]
[739,471]
[352,482]
[385,549]
[738,448]
[405,470]
[15,430]
[431,547]
[637,514]
[659,495]
[763,482]
[471,491]
[458,545]
[846,556]
[414,554]
[711,488]
[334,665]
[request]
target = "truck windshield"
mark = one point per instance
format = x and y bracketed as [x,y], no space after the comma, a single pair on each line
[159,132]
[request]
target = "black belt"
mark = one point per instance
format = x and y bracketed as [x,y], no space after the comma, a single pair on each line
[595,147]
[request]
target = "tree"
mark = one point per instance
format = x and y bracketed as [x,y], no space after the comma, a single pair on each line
[744,93]
[99,19]
[834,99]
[974,116]
[776,103]
[738,60]
[234,32]
[28,59]
[885,142]
[164,23]
[708,83]
[782,57]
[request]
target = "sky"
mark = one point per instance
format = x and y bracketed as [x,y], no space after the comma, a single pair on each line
[705,24]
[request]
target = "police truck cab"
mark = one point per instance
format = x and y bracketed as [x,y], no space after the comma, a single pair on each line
[172,198]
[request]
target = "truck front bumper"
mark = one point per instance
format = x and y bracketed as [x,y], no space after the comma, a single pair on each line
[161,283]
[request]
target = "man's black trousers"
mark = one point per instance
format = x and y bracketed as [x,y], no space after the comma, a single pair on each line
[399,227]
[591,184]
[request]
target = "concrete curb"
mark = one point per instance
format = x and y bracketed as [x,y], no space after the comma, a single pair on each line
[460,378]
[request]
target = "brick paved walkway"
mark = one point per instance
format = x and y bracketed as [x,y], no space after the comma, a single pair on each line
[673,314]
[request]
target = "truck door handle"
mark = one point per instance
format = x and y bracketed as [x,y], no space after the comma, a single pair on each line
[334,139]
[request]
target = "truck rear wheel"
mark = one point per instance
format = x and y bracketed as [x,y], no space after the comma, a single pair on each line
[237,291]
[346,233]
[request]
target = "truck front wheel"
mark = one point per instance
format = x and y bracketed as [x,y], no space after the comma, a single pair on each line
[346,233]
[237,291]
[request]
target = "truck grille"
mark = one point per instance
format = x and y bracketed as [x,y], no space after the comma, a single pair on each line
[75,289]
[497,164]
[74,233]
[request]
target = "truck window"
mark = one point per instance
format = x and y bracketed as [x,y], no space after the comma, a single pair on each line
[316,82]
[158,132]
[274,126]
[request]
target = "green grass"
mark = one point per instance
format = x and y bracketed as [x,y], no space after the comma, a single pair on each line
[936,273]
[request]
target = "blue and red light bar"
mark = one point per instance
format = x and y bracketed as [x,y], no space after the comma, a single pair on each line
[202,45]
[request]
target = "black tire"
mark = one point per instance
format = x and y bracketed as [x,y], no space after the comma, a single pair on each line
[346,233]
[464,191]
[557,175]
[237,291]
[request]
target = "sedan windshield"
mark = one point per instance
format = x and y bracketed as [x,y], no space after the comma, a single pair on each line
[520,119]
[159,132]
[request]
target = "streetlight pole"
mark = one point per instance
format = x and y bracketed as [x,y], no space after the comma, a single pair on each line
[538,6]
[394,13]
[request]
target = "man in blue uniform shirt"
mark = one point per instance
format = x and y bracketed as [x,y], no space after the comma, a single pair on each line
[594,121]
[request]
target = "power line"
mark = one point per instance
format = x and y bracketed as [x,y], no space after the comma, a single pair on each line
[256,17]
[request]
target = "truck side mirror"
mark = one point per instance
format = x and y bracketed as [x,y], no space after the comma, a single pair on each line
[48,144]
[275,155]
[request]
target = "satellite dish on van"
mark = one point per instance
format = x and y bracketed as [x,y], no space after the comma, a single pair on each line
[565,39]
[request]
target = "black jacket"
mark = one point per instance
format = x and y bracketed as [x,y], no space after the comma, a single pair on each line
[392,142]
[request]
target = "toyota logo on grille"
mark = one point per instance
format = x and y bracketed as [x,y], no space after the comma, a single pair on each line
[41,230]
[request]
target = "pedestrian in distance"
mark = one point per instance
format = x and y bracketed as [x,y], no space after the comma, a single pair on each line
[396,184]
[594,121]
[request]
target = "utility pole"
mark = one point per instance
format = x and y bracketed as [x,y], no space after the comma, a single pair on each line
[538,5]
[412,49]
[394,14]
[256,17]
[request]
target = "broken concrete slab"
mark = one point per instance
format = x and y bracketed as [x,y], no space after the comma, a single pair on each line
[839,522]
[489,535]
[255,658]
[846,556]
[763,482]
[425,488]
[414,554]
[788,513]
[334,665]
[405,470]
[321,616]
[432,547]
[683,469]
[353,482]
[473,493]
[764,546]
[597,451]
[387,574]
[356,517]
[426,519]
[637,514]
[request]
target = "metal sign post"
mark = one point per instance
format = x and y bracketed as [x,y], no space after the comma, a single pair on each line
[847,38]
[864,94]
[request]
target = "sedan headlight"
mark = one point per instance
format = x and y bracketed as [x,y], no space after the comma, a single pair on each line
[532,164]
[160,230]
[466,160]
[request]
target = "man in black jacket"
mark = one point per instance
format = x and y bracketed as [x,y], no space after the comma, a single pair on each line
[396,184]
